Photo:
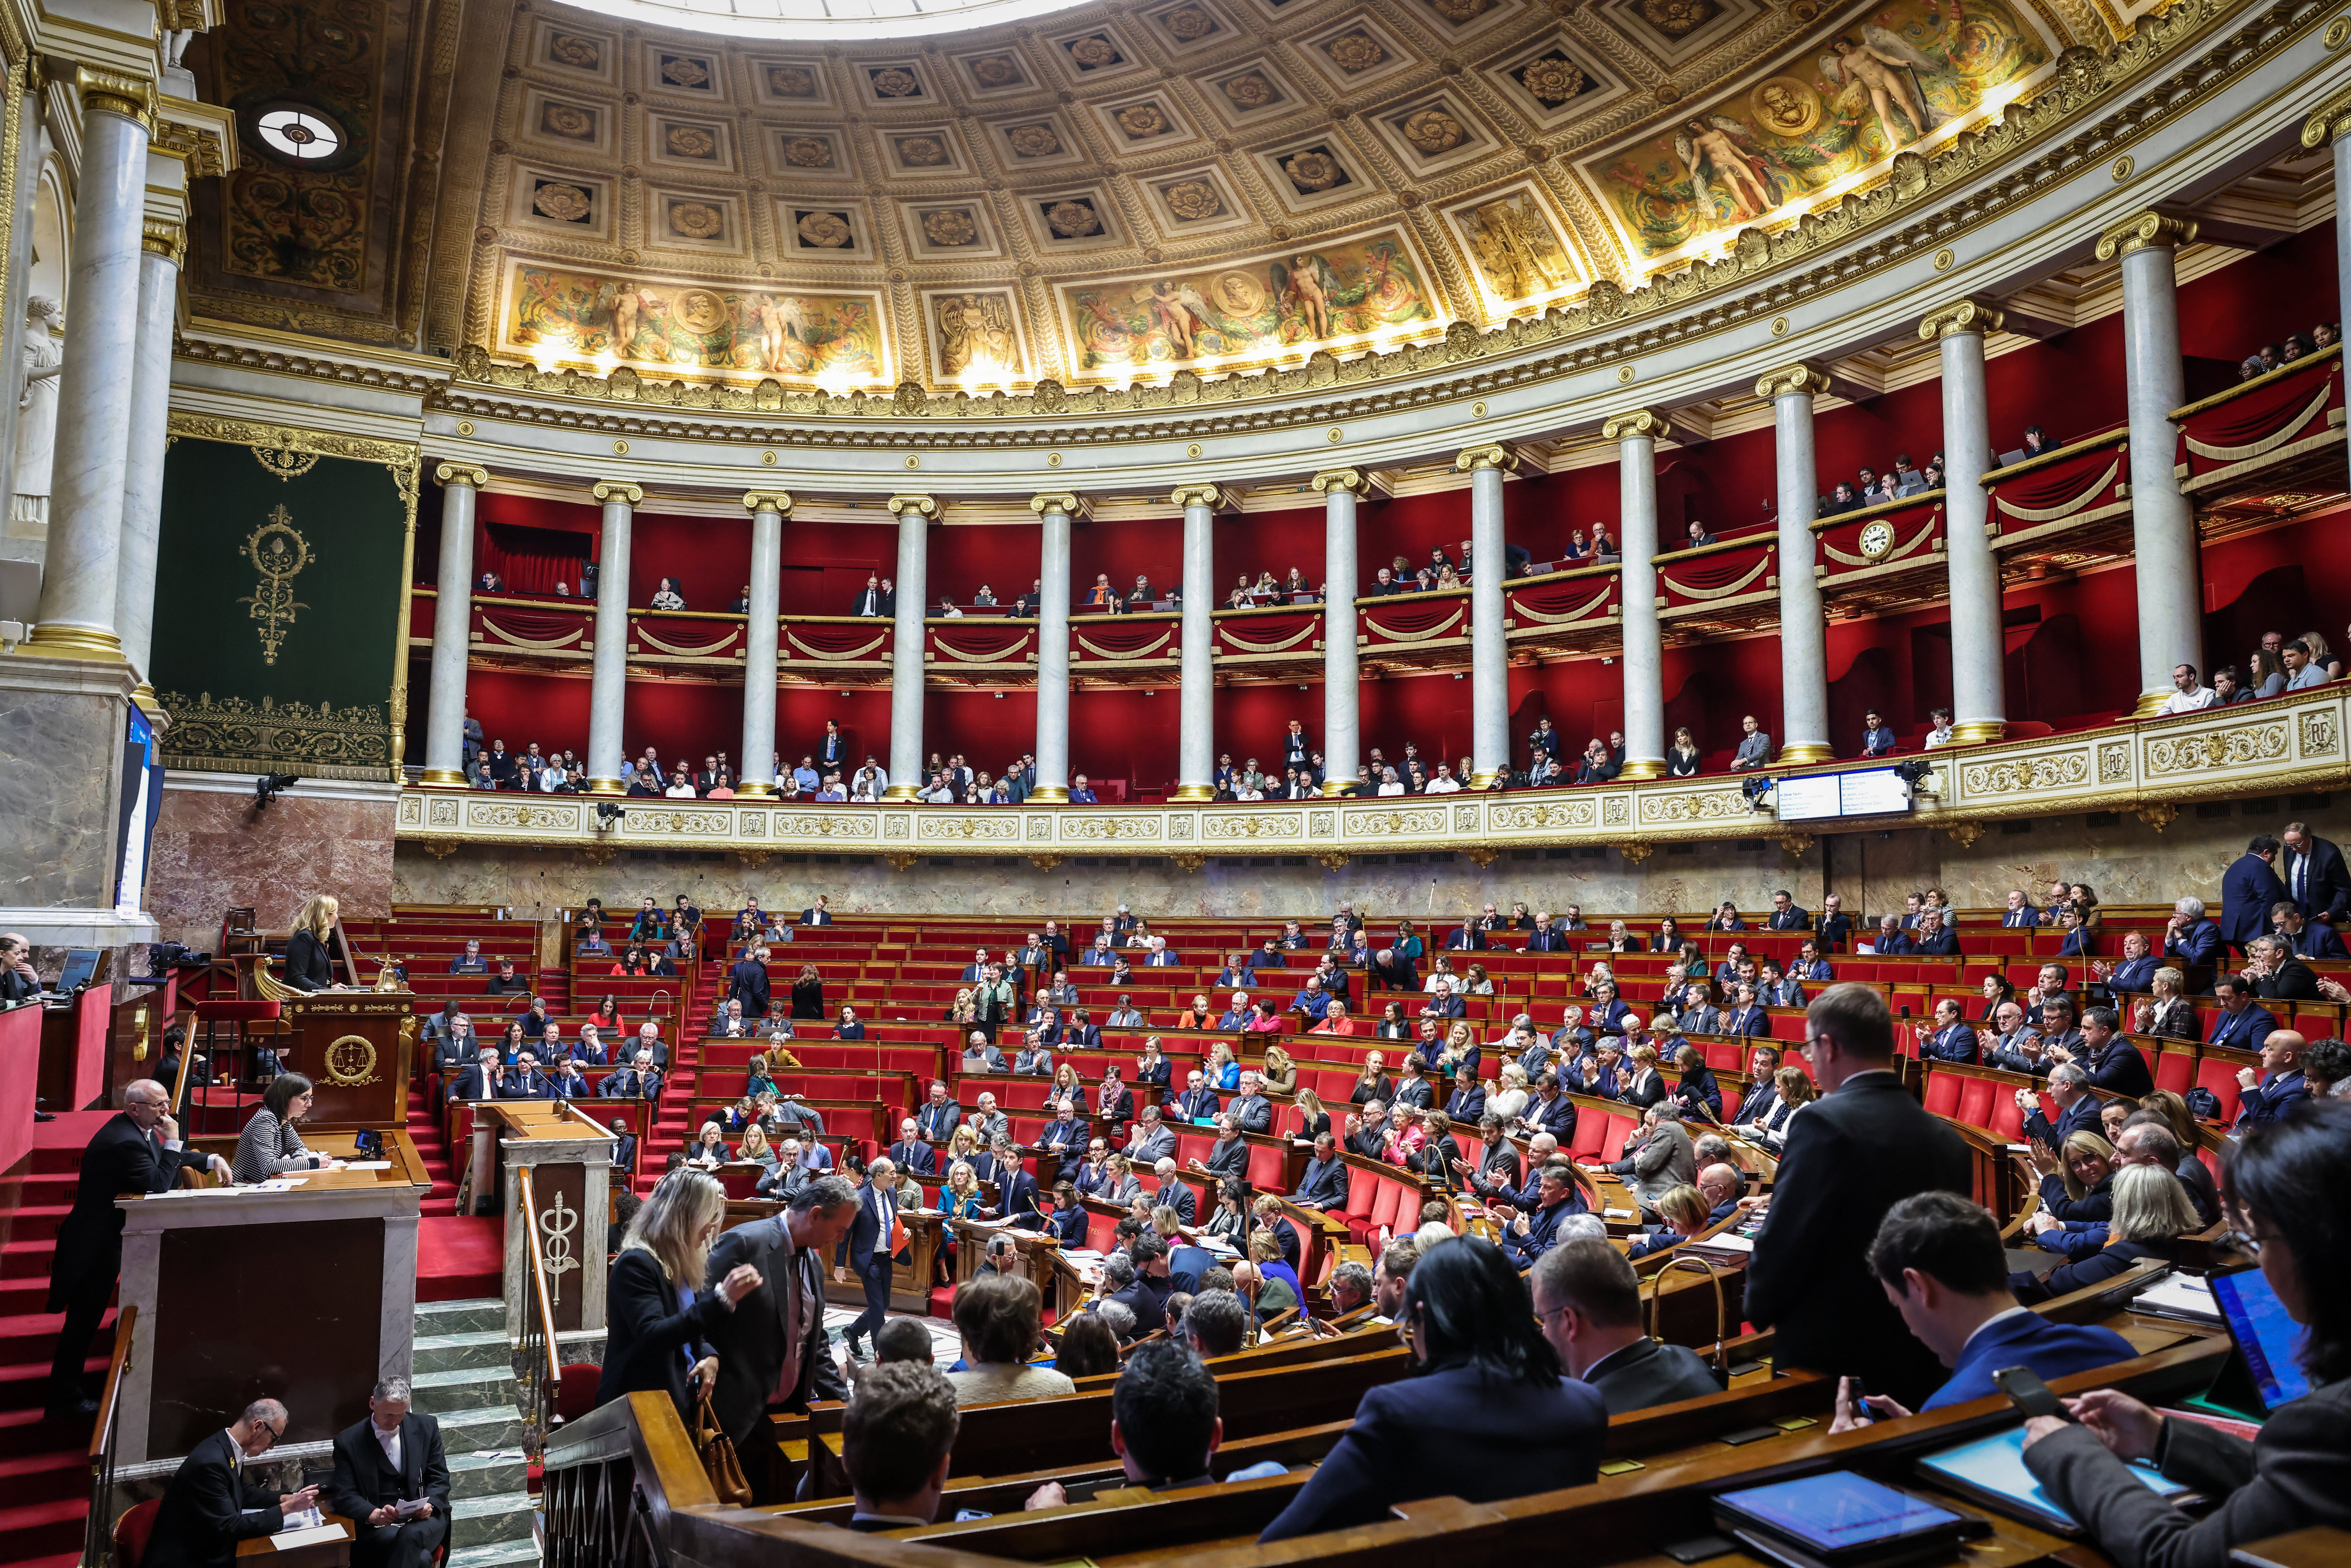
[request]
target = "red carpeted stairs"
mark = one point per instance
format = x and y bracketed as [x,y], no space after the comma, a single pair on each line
[670,1131]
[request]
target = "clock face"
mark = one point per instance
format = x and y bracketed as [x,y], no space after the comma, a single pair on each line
[1876,540]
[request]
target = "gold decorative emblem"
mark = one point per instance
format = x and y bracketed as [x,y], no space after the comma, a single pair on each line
[1142,120]
[279,554]
[286,462]
[1036,140]
[1238,294]
[572,49]
[1192,200]
[702,311]
[1460,11]
[809,152]
[922,152]
[950,225]
[1552,81]
[1072,220]
[691,142]
[1785,106]
[824,230]
[350,1062]
[1094,53]
[997,70]
[1678,18]
[556,1221]
[696,220]
[1355,52]
[1434,130]
[1876,540]
[791,81]
[1251,90]
[568,203]
[568,121]
[685,72]
[1313,170]
[1189,24]
[894,81]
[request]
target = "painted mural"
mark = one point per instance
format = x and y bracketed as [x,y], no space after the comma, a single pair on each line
[1251,310]
[1886,81]
[580,314]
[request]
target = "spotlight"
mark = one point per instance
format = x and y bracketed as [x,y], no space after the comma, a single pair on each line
[269,786]
[1755,789]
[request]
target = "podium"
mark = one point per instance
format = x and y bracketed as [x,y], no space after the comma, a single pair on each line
[354,1047]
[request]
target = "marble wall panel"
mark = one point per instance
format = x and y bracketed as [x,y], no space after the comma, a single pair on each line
[58,813]
[214,852]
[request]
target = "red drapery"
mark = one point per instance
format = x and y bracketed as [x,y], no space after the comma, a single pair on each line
[533,561]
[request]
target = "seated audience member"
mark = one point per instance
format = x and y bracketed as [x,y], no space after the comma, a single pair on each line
[1938,1259]
[898,1436]
[998,1317]
[1588,1301]
[392,1457]
[1490,1418]
[2151,1212]
[1164,1425]
[2284,1187]
[210,1504]
[1214,1323]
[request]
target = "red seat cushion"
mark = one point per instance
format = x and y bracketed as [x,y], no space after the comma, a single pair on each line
[229,1010]
[2175,1070]
[1975,1101]
[575,1390]
[1591,1127]
[1267,1169]
[2220,1078]
[1943,1093]
[1612,1139]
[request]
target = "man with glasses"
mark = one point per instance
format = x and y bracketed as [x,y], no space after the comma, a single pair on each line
[136,1150]
[212,1503]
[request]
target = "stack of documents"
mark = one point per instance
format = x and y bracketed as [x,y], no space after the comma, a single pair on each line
[2177,1295]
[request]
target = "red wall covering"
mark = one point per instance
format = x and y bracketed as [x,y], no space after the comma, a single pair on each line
[2070,643]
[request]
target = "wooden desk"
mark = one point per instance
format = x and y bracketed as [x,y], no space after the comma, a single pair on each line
[324,1554]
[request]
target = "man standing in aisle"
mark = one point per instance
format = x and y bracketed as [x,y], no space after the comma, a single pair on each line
[865,1246]
[772,1346]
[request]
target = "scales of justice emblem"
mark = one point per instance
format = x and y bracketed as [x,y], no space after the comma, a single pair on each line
[350,1061]
[556,1224]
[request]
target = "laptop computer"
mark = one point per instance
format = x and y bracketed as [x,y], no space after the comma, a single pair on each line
[2008,459]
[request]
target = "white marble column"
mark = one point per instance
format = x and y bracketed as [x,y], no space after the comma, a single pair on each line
[1803,627]
[1054,513]
[1196,738]
[2163,523]
[607,689]
[1342,717]
[756,776]
[1490,647]
[1635,433]
[1978,645]
[452,617]
[162,244]
[913,513]
[2331,128]
[77,607]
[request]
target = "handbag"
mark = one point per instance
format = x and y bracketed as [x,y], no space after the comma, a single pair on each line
[1721,1363]
[719,1458]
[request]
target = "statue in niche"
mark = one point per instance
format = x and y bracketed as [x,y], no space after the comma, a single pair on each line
[36,417]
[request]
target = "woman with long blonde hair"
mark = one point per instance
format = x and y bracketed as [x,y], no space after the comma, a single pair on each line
[309,960]
[754,1146]
[656,1305]
[963,1144]
[1279,1072]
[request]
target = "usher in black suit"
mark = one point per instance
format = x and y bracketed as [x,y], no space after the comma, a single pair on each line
[88,1256]
[209,1507]
[1863,1149]
[365,1481]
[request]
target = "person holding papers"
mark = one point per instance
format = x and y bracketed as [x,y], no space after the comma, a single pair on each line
[392,1481]
[211,1505]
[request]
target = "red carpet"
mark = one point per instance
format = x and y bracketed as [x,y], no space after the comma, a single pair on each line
[459,1258]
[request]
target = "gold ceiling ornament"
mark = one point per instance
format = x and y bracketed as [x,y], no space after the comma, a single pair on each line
[809,152]
[791,81]
[691,142]
[1073,220]
[1960,316]
[572,49]
[2143,231]
[922,152]
[998,71]
[1192,200]
[1355,52]
[1142,120]
[1094,53]
[1033,141]
[824,230]
[1552,81]
[1314,170]
[1188,24]
[568,203]
[1434,130]
[697,220]
[279,553]
[1251,90]
[1239,293]
[1790,380]
[567,120]
[685,72]
[896,82]
[950,226]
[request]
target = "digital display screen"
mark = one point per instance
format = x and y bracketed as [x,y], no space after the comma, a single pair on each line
[2267,1336]
[1834,1511]
[1807,800]
[1866,793]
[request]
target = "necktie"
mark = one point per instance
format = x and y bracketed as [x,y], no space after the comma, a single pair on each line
[2300,876]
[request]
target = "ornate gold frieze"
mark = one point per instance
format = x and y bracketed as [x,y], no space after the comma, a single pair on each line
[235,736]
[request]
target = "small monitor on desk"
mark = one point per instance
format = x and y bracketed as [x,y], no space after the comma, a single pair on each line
[81,968]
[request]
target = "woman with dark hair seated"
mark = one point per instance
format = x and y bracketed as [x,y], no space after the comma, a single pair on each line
[269,1145]
[1697,1093]
[1490,1417]
[1088,1349]
[2284,1192]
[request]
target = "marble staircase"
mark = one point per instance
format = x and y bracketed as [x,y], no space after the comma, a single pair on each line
[465,1375]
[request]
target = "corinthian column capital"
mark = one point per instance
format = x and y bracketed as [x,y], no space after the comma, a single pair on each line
[2143,231]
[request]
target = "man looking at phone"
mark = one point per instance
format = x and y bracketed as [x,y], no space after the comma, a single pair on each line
[1938,1259]
[391,1481]
[211,1505]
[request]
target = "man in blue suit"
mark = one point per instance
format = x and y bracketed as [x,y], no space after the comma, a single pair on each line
[2250,889]
[1938,1259]
[2314,875]
[2243,1023]
[2278,1087]
[2308,938]
[1323,1184]
[2112,1062]
[1528,1236]
[2190,939]
[865,1249]
[1550,1111]
[1785,916]
[1891,938]
[2077,1108]
[1934,938]
[1951,1039]
[2020,914]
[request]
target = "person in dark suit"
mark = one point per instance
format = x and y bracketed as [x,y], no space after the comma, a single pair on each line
[897,1438]
[1934,938]
[864,1247]
[210,1506]
[2280,1084]
[2112,1062]
[2276,972]
[940,1116]
[2303,938]
[2077,1108]
[2243,1023]
[910,1153]
[2296,1473]
[1017,1193]
[747,983]
[135,1151]
[1865,1146]
[1588,1301]
[2250,888]
[392,1457]
[1492,1416]
[309,962]
[1835,926]
[1324,1183]
[1786,915]
[1950,1040]
[773,1345]
[1546,937]
[868,602]
[2314,875]
[816,914]
[659,1307]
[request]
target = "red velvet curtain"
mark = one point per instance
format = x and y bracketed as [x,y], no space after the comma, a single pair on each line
[533,561]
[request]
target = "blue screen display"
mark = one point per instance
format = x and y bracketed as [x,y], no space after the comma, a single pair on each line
[1838,1510]
[2270,1339]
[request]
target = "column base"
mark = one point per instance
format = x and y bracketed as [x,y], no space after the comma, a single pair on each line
[900,792]
[63,640]
[2149,706]
[1642,768]
[764,789]
[1193,792]
[1806,754]
[441,778]
[1335,788]
[1977,731]
[610,788]
[144,695]
[1051,795]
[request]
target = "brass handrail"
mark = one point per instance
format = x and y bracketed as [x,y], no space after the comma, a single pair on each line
[99,1527]
[538,1371]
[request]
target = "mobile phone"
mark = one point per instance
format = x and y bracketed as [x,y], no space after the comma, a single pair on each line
[2029,1394]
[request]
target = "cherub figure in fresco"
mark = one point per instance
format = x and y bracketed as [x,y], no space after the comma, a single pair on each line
[1884,64]
[1721,154]
[618,300]
[769,312]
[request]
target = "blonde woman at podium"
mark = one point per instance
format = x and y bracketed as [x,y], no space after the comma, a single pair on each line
[310,965]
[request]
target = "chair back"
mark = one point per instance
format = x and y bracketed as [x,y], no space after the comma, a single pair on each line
[575,1391]
[137,1527]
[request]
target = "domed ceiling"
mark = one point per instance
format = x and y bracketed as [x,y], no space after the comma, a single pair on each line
[1109,194]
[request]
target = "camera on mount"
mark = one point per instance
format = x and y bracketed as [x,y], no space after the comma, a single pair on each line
[269,786]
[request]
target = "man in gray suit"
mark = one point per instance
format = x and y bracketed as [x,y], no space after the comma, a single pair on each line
[1755,749]
[1152,1143]
[1588,1301]
[773,1343]
[1658,1158]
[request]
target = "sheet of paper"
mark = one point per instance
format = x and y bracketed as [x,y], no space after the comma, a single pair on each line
[288,1540]
[367,1165]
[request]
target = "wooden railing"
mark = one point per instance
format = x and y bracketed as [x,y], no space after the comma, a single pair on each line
[538,1371]
[96,1544]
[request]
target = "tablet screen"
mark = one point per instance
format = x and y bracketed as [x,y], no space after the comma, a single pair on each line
[1995,1466]
[1838,1510]
[2266,1336]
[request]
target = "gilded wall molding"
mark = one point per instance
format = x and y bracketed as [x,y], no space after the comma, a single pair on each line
[395,455]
